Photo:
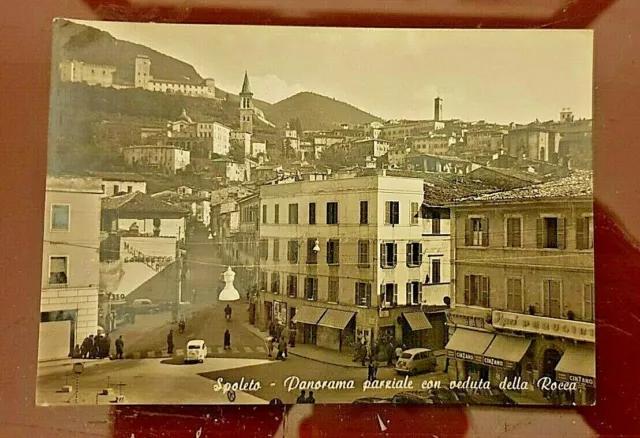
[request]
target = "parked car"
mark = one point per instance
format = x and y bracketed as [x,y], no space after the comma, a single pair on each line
[439,396]
[416,360]
[196,351]
[144,305]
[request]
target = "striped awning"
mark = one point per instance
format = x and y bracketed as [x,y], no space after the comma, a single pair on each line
[337,319]
[417,320]
[308,314]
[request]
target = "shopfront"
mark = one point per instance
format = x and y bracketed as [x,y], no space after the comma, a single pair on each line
[335,328]
[306,320]
[578,365]
[466,349]
[504,356]
[415,326]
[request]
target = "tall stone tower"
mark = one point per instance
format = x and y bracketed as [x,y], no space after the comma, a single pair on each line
[246,106]
[142,73]
[437,109]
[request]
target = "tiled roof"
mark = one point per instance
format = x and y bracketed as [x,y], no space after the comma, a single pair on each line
[137,202]
[512,173]
[443,188]
[578,185]
[118,176]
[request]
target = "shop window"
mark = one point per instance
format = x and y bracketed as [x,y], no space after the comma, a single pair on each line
[333,252]
[392,213]
[388,255]
[477,232]
[414,254]
[293,213]
[589,302]
[514,232]
[334,289]
[363,253]
[552,294]
[389,295]
[332,213]
[476,290]
[311,288]
[312,213]
[364,212]
[550,232]
[363,294]
[59,217]
[58,266]
[414,293]
[514,294]
[584,233]
[292,251]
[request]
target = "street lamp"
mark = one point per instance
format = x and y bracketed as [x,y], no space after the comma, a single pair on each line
[316,247]
[229,292]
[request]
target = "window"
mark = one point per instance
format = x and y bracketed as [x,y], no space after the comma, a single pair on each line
[312,213]
[332,213]
[363,294]
[58,270]
[552,298]
[275,282]
[550,232]
[388,255]
[388,295]
[392,213]
[59,217]
[334,288]
[292,286]
[292,251]
[364,212]
[514,294]
[414,214]
[435,271]
[589,303]
[477,232]
[264,214]
[102,187]
[129,189]
[363,253]
[116,189]
[276,214]
[435,222]
[414,254]
[311,288]
[514,232]
[476,290]
[276,250]
[333,252]
[414,293]
[584,233]
[312,256]
[264,249]
[293,213]
[263,281]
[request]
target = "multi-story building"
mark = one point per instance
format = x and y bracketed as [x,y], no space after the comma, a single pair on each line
[344,259]
[70,265]
[92,74]
[144,79]
[533,142]
[434,144]
[167,160]
[523,303]
[438,163]
[119,182]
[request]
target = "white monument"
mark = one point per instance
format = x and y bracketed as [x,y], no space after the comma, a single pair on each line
[229,293]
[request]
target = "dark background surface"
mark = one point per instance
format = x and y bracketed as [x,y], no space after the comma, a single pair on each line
[24,72]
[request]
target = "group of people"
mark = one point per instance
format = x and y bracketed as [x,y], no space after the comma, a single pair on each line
[302,399]
[98,347]
[365,353]
[280,344]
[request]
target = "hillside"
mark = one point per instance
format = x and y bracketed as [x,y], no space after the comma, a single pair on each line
[316,112]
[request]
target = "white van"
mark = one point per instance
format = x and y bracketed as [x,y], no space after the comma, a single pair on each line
[196,351]
[416,360]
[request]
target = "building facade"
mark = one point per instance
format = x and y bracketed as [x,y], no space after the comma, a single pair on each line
[194,88]
[344,259]
[70,265]
[167,160]
[523,303]
[92,74]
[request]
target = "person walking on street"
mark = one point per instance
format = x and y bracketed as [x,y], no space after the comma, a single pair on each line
[370,371]
[84,347]
[97,343]
[272,329]
[107,346]
[119,348]
[310,399]
[292,335]
[398,353]
[170,342]
[227,312]
[282,346]
[446,364]
[227,340]
[301,398]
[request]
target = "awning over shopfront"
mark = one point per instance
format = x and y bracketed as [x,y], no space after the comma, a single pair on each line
[417,320]
[309,314]
[337,319]
[468,344]
[506,351]
[578,364]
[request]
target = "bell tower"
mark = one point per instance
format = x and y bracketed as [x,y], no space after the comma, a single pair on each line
[246,106]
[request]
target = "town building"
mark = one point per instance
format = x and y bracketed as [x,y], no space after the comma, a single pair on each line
[438,163]
[485,138]
[367,149]
[166,160]
[344,259]
[396,156]
[91,74]
[188,87]
[198,204]
[70,265]
[534,142]
[202,138]
[434,144]
[114,183]
[523,302]
[229,171]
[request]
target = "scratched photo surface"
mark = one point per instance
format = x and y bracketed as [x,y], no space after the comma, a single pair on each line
[290,215]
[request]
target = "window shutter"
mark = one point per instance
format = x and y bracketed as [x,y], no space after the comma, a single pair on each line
[315,289]
[467,289]
[329,252]
[387,213]
[383,255]
[288,285]
[420,254]
[336,248]
[484,291]
[539,232]
[419,293]
[485,231]
[517,237]
[547,297]
[356,300]
[580,233]
[395,294]
[467,233]
[409,254]
[306,288]
[395,254]
[562,226]
[408,294]
[383,296]
[368,294]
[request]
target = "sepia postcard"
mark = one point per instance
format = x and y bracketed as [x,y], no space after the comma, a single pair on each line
[282,215]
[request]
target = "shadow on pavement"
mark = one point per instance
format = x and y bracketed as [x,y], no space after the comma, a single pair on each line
[176,360]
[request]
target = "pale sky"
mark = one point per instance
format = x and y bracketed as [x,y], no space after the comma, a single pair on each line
[499,76]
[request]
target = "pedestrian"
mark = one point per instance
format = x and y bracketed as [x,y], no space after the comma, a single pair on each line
[370,377]
[376,365]
[398,352]
[91,347]
[390,354]
[97,343]
[84,347]
[119,348]
[301,398]
[363,356]
[170,342]
[227,312]
[227,340]
[77,352]
[282,345]
[106,346]
[269,345]
[310,399]
[272,329]
[446,364]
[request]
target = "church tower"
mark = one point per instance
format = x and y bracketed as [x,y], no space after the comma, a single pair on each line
[246,106]
[437,109]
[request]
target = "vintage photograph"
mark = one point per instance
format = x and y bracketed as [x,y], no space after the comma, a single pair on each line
[299,215]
